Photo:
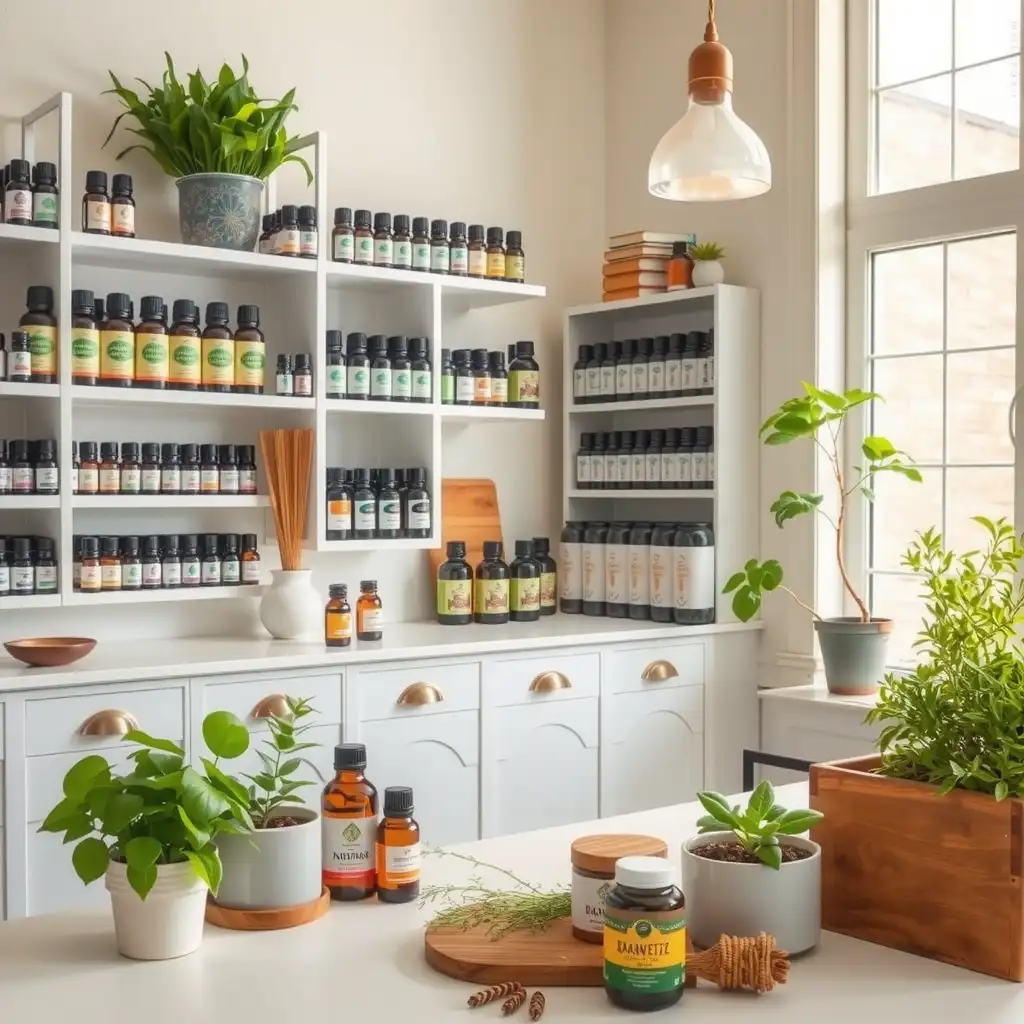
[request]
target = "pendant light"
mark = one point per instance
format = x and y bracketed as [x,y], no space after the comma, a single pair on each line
[710,154]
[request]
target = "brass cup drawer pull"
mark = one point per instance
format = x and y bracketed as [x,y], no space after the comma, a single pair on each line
[418,694]
[109,722]
[273,706]
[658,671]
[548,682]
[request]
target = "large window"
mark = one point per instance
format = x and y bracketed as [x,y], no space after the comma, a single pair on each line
[936,202]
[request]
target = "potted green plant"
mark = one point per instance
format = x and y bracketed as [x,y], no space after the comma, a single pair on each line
[923,843]
[219,140]
[852,647]
[279,864]
[707,264]
[151,833]
[749,871]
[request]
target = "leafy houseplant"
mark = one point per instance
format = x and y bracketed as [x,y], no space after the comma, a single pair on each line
[853,649]
[705,252]
[707,265]
[220,140]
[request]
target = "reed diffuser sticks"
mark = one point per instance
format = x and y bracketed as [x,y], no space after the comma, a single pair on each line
[287,461]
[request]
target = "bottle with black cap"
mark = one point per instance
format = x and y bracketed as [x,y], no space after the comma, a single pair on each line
[624,371]
[616,571]
[6,473]
[477,251]
[627,441]
[263,243]
[336,377]
[380,369]
[45,199]
[583,456]
[288,236]
[401,368]
[496,254]
[595,537]
[383,240]
[597,461]
[339,505]
[358,367]
[349,827]
[524,378]
[18,194]
[607,394]
[524,584]
[23,571]
[90,579]
[170,468]
[171,565]
[230,562]
[652,468]
[422,375]
[110,564]
[641,366]
[303,378]
[455,587]
[638,461]
[250,352]
[47,475]
[515,258]
[210,566]
[343,239]
[152,358]
[421,244]
[96,204]
[191,564]
[401,257]
[398,848]
[417,503]
[227,469]
[613,446]
[364,507]
[459,250]
[389,507]
[85,339]
[246,469]
[597,356]
[662,572]
[363,252]
[656,367]
[703,474]
[149,471]
[186,356]
[122,207]
[440,250]
[131,564]
[669,460]
[23,474]
[674,366]
[579,375]
[110,468]
[491,589]
[45,566]
[190,475]
[40,325]
[153,577]
[218,350]
[309,237]
[548,575]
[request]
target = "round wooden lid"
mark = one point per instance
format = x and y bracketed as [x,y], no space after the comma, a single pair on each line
[599,853]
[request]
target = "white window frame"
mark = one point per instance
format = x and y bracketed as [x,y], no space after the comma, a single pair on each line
[944,212]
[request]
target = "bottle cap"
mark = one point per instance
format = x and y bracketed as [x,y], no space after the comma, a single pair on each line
[350,755]
[456,549]
[130,451]
[20,170]
[398,346]
[249,541]
[643,346]
[45,547]
[586,353]
[226,454]
[88,451]
[307,215]
[382,222]
[458,229]
[338,590]
[705,435]
[541,545]
[355,342]
[367,584]
[211,543]
[122,184]
[600,351]
[495,236]
[614,438]
[246,454]
[108,451]
[420,225]
[515,239]
[675,342]
[108,546]
[40,296]
[657,438]
[118,306]
[496,360]
[189,543]
[335,474]
[628,348]
[216,312]
[660,346]
[170,452]
[586,440]
[189,453]
[492,549]
[151,307]
[268,223]
[229,543]
[398,801]
[439,228]
[687,437]
[335,340]
[524,548]
[645,873]
[185,311]
[643,438]
[284,363]
[479,357]
[83,302]
[342,217]
[44,172]
[151,546]
[130,547]
[19,451]
[524,349]
[401,224]
[45,450]
[95,181]
[363,218]
[248,316]
[302,361]
[289,214]
[208,454]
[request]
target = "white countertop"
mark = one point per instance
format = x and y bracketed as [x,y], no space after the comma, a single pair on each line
[365,962]
[819,697]
[113,662]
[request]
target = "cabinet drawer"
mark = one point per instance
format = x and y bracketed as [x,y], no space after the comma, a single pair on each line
[45,777]
[52,724]
[655,666]
[242,698]
[428,689]
[547,678]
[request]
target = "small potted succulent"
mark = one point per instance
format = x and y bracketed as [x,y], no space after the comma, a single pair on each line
[152,833]
[220,141]
[749,871]
[707,264]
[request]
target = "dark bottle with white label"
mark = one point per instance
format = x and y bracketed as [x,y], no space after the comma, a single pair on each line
[422,372]
[383,240]
[661,572]
[656,368]
[491,588]
[227,466]
[401,368]
[684,457]
[706,364]
[210,568]
[358,367]
[339,505]
[459,250]
[191,574]
[389,507]
[45,566]
[570,569]
[641,367]
[611,460]
[417,504]
[420,244]
[230,562]
[6,481]
[595,537]
[23,572]
[624,467]
[616,571]
[704,459]
[638,461]
[674,367]
[598,355]
[380,369]
[640,571]
[152,567]
[613,349]
[624,371]
[691,364]
[401,258]
[652,466]
[694,575]
[47,476]
[669,460]
[23,474]
[579,375]
[5,567]
[364,507]
[597,462]
[524,584]
[131,564]
[548,575]
[246,468]
[583,456]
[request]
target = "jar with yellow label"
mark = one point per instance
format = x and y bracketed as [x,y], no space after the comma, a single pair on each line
[490,597]
[85,339]
[496,254]
[218,350]
[644,935]
[186,357]
[41,328]
[250,352]
[524,378]
[117,343]
[455,587]
[152,361]
[338,617]
[524,588]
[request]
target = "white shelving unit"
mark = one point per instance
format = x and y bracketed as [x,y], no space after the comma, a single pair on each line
[299,300]
[733,410]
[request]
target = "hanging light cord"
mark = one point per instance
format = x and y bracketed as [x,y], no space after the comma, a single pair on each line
[711,32]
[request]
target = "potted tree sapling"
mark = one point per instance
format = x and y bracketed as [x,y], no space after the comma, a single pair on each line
[152,833]
[852,647]
[220,141]
[707,264]
[749,871]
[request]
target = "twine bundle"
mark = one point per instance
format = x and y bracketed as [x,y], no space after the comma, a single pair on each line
[734,962]
[287,461]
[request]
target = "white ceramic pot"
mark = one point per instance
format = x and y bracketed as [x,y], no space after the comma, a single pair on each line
[291,608]
[168,923]
[273,867]
[707,272]
[723,898]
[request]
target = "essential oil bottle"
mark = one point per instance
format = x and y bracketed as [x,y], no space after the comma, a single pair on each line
[349,827]
[455,587]
[398,848]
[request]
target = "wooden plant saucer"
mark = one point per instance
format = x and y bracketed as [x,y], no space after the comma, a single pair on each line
[267,920]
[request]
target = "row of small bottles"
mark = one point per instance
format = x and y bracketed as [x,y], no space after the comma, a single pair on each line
[106,564]
[29,467]
[645,369]
[151,468]
[28,565]
[290,231]
[108,212]
[478,377]
[663,571]
[495,592]
[364,504]
[338,615]
[32,355]
[30,203]
[378,368]
[677,458]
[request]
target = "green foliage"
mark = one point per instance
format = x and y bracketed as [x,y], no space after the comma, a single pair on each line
[704,252]
[957,720]
[220,125]
[748,585]
[757,827]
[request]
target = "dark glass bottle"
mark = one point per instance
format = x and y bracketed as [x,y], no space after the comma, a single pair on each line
[186,350]
[706,355]
[420,244]
[5,568]
[598,354]
[122,207]
[88,469]
[18,194]
[583,456]
[45,566]
[369,613]
[656,367]
[152,574]
[191,565]
[337,617]
[40,325]
[624,371]
[383,240]
[19,369]
[515,258]
[309,237]
[524,378]
[250,352]
[447,378]
[209,470]
[211,568]
[227,469]
[481,377]
[491,589]
[170,469]
[669,460]
[496,254]
[110,468]
[584,354]
[662,566]
[303,378]
[607,390]
[597,462]
[459,250]
[694,575]
[417,504]
[703,459]
[524,584]
[343,240]
[23,474]
[131,564]
[6,474]
[218,350]
[684,457]
[422,376]
[288,236]
[45,198]
[595,538]
[285,376]
[250,560]
[640,571]
[624,477]
[152,359]
[363,252]
[263,243]
[641,366]
[440,250]
[85,339]
[380,369]
[336,376]
[401,368]
[358,367]
[230,562]
[364,507]
[652,468]
[691,364]
[23,571]
[674,367]
[402,256]
[477,254]
[455,587]
[339,505]
[499,378]
[389,507]
[47,475]
[349,827]
[548,575]
[613,442]
[465,384]
[638,461]
[616,565]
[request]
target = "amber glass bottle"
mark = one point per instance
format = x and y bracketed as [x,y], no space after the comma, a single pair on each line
[338,617]
[398,848]
[369,612]
[349,832]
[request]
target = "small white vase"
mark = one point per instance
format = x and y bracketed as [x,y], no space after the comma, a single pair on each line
[168,923]
[707,272]
[291,608]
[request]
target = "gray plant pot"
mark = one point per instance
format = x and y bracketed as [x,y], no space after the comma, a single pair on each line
[853,653]
[745,899]
[274,867]
[220,210]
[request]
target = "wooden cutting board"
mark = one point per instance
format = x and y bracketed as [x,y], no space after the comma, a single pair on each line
[469,512]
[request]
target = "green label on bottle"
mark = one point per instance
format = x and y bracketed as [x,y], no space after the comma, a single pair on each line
[524,386]
[447,389]
[117,355]
[85,352]
[454,597]
[525,595]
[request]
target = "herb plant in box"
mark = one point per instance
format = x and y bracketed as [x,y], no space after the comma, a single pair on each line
[852,647]
[219,140]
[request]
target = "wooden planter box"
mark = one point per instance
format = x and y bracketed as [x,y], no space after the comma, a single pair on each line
[939,876]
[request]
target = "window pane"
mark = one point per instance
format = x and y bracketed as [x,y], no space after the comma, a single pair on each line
[911,415]
[914,134]
[986,30]
[901,509]
[988,119]
[975,492]
[981,387]
[905,283]
[899,598]
[915,39]
[982,292]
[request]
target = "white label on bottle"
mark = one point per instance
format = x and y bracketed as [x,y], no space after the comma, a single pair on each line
[339,514]
[440,258]
[347,850]
[417,514]
[594,382]
[623,379]
[669,468]
[673,374]
[110,577]
[383,252]
[616,565]
[74,481]
[90,578]
[285,384]
[380,382]
[250,572]
[246,481]
[373,621]
[229,480]
[131,480]
[24,479]
[358,380]
[611,469]
[690,374]
[170,480]
[344,247]
[46,579]
[6,479]
[402,863]
[639,378]
[694,578]
[464,389]
[588,903]
[307,242]
[190,574]
[709,372]
[401,383]
[154,574]
[402,255]
[593,572]
[131,576]
[420,256]
[17,204]
[21,365]
[639,574]
[459,259]
[230,571]
[661,576]
[652,470]
[685,462]
[110,481]
[288,242]
[122,219]
[656,377]
[579,384]
[699,467]
[365,515]
[607,381]
[582,469]
[422,385]
[5,579]
[211,572]
[625,474]
[597,468]
[303,385]
[47,478]
[390,514]
[570,571]
[23,579]
[637,469]
[89,481]
[710,468]
[150,481]
[209,481]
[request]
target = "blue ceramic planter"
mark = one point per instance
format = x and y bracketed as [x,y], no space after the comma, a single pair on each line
[220,210]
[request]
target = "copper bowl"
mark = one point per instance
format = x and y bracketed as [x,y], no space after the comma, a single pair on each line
[50,651]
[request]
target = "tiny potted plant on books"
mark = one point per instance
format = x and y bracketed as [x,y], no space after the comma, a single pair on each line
[707,264]
[749,871]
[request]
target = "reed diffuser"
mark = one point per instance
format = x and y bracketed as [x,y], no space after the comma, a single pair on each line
[290,610]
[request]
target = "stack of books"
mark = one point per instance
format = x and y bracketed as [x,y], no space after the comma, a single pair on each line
[637,263]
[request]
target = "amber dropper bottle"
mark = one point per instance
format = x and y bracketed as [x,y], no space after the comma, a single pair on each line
[398,848]
[349,832]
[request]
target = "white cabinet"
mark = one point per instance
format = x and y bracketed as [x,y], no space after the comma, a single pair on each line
[438,755]
[53,886]
[652,750]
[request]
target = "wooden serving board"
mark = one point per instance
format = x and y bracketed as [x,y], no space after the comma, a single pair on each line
[551,957]
[469,512]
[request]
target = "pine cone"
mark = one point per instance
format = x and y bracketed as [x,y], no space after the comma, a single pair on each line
[537,1005]
[513,1002]
[492,992]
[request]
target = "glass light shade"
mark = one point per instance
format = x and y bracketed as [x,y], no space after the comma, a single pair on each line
[710,154]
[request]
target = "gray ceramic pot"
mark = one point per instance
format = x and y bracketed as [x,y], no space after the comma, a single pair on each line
[274,867]
[853,653]
[744,899]
[220,210]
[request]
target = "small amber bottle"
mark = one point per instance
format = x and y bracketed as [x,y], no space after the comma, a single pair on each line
[398,848]
[496,254]
[343,239]
[455,587]
[250,560]
[369,612]
[90,580]
[363,238]
[110,564]
[477,251]
[515,258]
[338,617]
[349,827]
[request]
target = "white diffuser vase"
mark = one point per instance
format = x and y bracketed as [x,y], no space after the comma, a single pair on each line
[291,608]
[707,272]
